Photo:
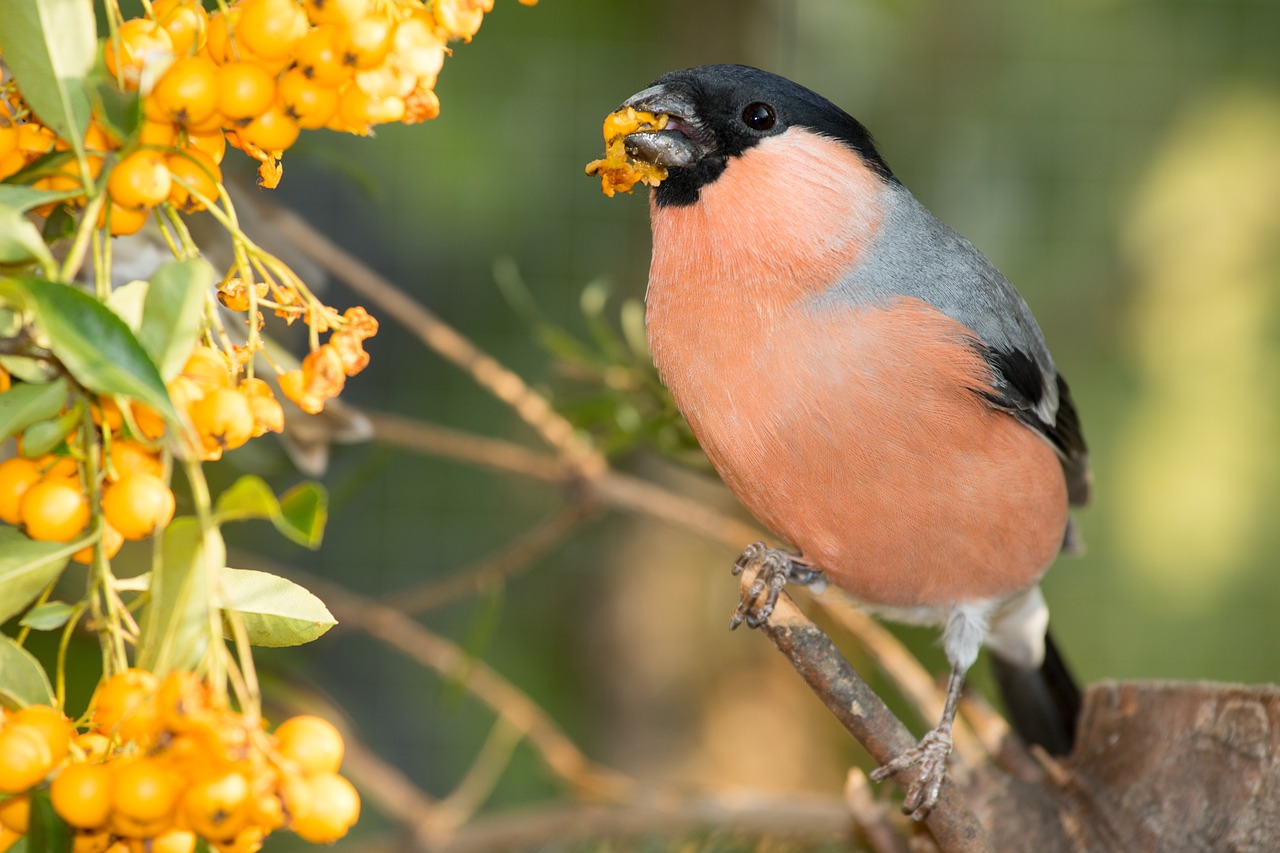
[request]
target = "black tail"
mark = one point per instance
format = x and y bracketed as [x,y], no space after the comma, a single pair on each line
[1043,704]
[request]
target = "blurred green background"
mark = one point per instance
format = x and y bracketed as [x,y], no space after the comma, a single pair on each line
[1119,161]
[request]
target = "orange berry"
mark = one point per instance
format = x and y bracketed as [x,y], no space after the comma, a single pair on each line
[124,705]
[220,45]
[140,180]
[293,384]
[111,540]
[313,743]
[187,93]
[137,41]
[197,169]
[104,410]
[208,366]
[274,130]
[334,808]
[91,841]
[52,724]
[94,745]
[459,18]
[186,22]
[121,221]
[245,90]
[319,56]
[81,795]
[341,12]
[25,758]
[217,807]
[129,456]
[183,703]
[8,139]
[270,28]
[248,840]
[308,102]
[160,133]
[15,813]
[223,418]
[58,466]
[173,841]
[137,505]
[356,111]
[213,144]
[268,416]
[54,510]
[366,42]
[17,474]
[144,793]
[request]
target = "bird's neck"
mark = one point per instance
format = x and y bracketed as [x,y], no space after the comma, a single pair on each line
[780,226]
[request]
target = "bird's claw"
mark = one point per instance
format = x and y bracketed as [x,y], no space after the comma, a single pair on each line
[776,568]
[930,758]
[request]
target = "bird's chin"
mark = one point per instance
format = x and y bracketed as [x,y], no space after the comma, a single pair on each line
[666,148]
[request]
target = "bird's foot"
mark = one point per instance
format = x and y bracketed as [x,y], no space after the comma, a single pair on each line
[776,568]
[930,757]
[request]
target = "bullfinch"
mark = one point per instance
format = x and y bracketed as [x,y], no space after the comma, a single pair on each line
[867,383]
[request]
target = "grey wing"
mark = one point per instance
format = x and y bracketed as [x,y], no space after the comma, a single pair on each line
[917,255]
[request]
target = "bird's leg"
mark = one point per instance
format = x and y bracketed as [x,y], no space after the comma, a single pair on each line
[776,568]
[930,756]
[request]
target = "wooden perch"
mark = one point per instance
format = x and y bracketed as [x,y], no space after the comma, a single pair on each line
[1157,766]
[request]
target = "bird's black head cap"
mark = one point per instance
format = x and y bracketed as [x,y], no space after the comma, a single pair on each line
[721,111]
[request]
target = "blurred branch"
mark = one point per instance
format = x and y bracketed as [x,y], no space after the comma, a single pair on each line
[797,817]
[868,719]
[445,341]
[506,562]
[875,822]
[434,440]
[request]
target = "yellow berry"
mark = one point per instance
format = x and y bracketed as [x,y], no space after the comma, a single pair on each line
[313,743]
[15,813]
[334,808]
[81,795]
[124,705]
[54,510]
[25,758]
[17,474]
[52,724]
[137,504]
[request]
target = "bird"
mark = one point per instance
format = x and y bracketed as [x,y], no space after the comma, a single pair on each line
[866,382]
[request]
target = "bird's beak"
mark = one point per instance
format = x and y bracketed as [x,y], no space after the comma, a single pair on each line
[681,144]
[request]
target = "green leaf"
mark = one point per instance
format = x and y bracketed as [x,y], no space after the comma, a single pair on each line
[24,681]
[176,626]
[173,313]
[94,344]
[27,567]
[26,404]
[43,436]
[276,612]
[47,832]
[20,241]
[300,514]
[248,497]
[22,197]
[127,301]
[49,46]
[304,509]
[49,616]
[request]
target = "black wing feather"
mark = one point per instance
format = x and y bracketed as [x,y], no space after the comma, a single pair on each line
[1018,388]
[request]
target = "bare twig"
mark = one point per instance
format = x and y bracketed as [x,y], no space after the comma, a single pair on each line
[799,817]
[875,823]
[434,440]
[507,562]
[867,718]
[446,341]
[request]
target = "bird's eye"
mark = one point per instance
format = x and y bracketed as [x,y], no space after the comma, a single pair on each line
[759,116]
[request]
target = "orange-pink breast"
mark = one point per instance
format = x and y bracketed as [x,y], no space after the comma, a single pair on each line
[853,432]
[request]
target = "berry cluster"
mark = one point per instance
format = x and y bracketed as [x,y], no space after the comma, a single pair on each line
[163,763]
[45,496]
[256,73]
